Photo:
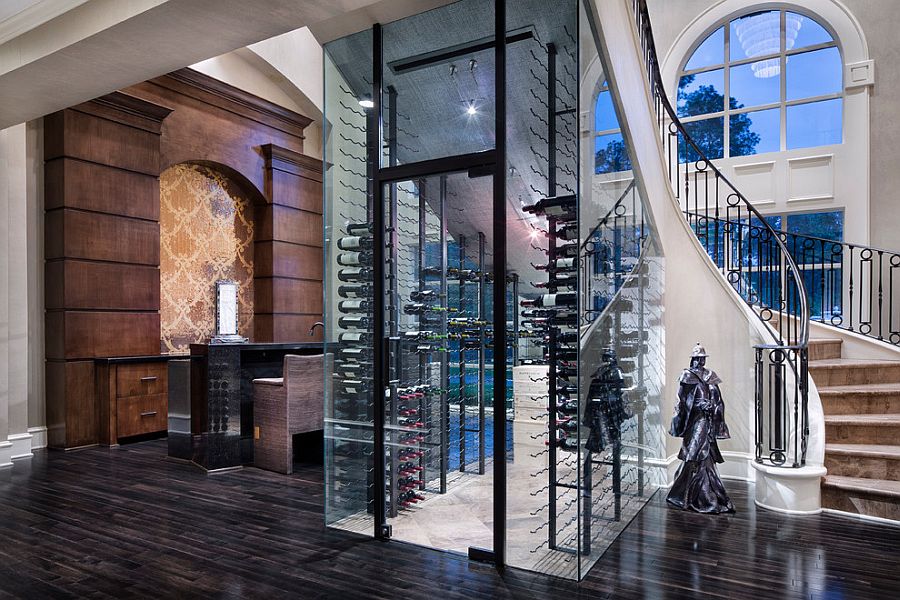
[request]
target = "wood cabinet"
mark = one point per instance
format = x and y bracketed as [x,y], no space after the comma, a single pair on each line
[133,397]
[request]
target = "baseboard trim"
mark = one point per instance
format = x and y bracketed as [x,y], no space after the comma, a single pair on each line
[859,517]
[788,511]
[21,446]
[6,455]
[38,437]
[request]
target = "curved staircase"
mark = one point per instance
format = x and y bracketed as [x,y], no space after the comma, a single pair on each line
[861,401]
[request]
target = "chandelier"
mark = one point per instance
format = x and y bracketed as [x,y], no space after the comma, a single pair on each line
[760,35]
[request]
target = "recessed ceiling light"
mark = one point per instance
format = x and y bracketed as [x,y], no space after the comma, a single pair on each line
[471,110]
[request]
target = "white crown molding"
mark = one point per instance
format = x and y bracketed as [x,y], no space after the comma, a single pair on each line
[34,16]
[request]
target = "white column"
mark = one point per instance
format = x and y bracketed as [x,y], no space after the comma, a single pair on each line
[5,445]
[34,223]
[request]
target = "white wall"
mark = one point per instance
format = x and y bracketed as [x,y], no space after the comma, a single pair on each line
[15,301]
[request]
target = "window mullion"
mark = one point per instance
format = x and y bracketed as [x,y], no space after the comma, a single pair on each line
[726,120]
[782,144]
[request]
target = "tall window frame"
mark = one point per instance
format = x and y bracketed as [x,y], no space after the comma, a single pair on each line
[782,56]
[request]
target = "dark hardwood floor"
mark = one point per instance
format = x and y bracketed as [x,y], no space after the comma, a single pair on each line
[126,523]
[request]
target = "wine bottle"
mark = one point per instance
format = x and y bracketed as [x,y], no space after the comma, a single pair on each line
[357,337]
[354,259]
[563,337]
[355,243]
[567,250]
[565,299]
[355,274]
[415,308]
[560,207]
[354,291]
[355,322]
[560,264]
[433,271]
[566,406]
[568,425]
[355,306]
[358,228]
[423,295]
[567,232]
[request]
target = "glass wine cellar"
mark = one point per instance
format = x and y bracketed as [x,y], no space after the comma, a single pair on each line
[492,292]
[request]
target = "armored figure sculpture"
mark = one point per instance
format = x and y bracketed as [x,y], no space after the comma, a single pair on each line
[606,409]
[699,420]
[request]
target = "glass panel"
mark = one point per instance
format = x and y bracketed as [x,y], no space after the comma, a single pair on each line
[708,135]
[349,458]
[816,73]
[701,93]
[814,124]
[801,32]
[826,225]
[438,423]
[443,107]
[755,35]
[711,52]
[749,89]
[755,132]
[605,116]
[610,155]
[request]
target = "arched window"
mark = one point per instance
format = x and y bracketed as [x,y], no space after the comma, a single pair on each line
[782,75]
[610,154]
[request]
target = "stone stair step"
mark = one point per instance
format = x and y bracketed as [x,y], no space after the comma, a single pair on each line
[845,371]
[881,398]
[870,461]
[862,429]
[871,497]
[825,348]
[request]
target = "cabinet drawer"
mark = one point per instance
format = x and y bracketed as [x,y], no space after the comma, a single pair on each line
[142,414]
[142,379]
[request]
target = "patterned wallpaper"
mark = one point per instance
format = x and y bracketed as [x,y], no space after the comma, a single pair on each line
[206,234]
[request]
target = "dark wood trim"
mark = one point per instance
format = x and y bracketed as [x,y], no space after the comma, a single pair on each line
[126,109]
[289,161]
[207,89]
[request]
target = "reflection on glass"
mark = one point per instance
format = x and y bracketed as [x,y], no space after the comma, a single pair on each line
[755,132]
[610,154]
[749,90]
[826,225]
[708,135]
[755,35]
[711,52]
[605,115]
[814,124]
[809,33]
[701,93]
[814,73]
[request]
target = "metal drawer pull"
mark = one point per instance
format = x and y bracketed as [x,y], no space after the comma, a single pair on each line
[149,413]
[149,378]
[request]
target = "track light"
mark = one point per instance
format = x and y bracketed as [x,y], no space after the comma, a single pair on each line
[366,101]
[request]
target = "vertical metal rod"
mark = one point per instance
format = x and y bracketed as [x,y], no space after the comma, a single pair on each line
[424,359]
[482,316]
[393,307]
[373,139]
[445,356]
[551,258]
[499,239]
[462,358]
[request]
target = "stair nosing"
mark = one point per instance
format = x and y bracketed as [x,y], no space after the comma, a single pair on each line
[855,484]
[864,450]
[892,420]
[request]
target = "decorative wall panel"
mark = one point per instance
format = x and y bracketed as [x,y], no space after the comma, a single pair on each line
[206,234]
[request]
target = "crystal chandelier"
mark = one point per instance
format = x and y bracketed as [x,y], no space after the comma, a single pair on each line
[760,35]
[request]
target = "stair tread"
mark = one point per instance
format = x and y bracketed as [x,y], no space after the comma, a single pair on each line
[867,450]
[825,340]
[841,363]
[859,484]
[860,388]
[888,420]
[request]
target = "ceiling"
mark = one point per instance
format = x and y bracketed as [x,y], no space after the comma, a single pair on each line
[433,102]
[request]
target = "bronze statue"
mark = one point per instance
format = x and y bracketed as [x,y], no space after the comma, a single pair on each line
[699,420]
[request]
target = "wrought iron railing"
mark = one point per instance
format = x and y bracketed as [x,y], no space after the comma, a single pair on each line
[775,288]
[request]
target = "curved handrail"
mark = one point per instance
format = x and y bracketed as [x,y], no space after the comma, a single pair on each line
[609,214]
[703,163]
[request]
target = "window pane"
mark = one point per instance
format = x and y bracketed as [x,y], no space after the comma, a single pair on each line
[827,225]
[701,93]
[605,115]
[708,135]
[610,154]
[814,124]
[755,132]
[710,52]
[758,34]
[800,32]
[814,74]
[749,89]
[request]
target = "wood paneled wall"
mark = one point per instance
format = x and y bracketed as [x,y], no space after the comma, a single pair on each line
[102,250]
[103,160]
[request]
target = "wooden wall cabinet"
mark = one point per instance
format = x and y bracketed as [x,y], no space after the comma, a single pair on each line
[133,397]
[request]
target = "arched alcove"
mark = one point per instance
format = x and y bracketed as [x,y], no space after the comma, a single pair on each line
[207,233]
